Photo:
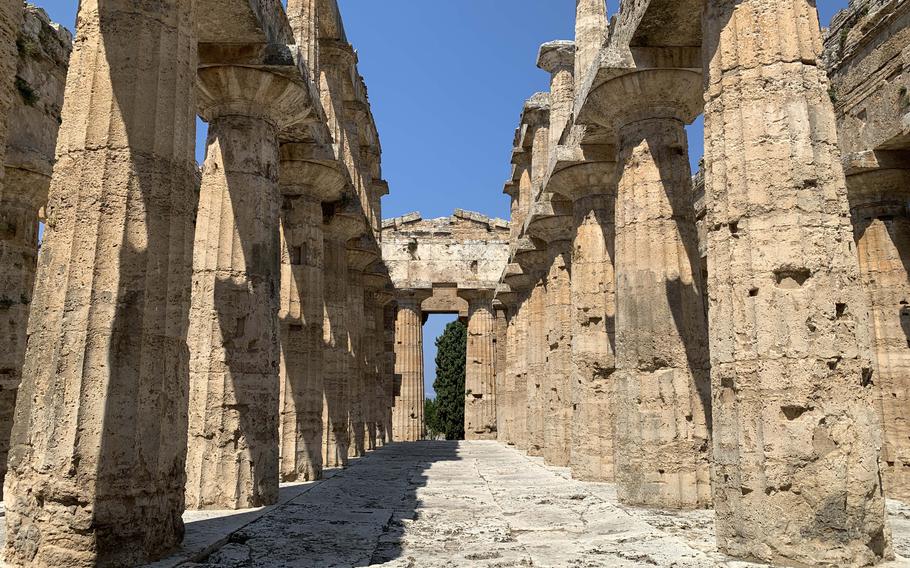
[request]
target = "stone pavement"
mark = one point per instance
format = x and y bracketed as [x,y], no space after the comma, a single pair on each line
[453,504]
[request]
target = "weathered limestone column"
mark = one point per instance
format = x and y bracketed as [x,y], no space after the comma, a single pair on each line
[531,256]
[232,456]
[592,187]
[558,59]
[358,259]
[29,147]
[517,338]
[591,29]
[796,432]
[551,221]
[409,400]
[99,466]
[480,375]
[390,312]
[377,287]
[662,441]
[881,224]
[304,18]
[501,367]
[305,184]
[10,26]
[338,360]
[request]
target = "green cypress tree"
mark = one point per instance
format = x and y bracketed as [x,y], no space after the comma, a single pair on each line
[451,350]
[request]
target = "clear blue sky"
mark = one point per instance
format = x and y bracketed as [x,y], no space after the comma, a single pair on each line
[447,79]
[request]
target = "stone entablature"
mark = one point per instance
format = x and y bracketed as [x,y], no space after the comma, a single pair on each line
[468,250]
[867,51]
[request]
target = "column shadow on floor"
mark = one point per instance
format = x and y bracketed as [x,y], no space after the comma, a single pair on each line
[357,517]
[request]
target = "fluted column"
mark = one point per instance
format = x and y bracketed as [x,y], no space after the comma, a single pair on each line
[338,359]
[409,401]
[796,432]
[357,383]
[389,380]
[502,386]
[662,442]
[516,401]
[535,353]
[592,186]
[551,221]
[10,26]
[881,224]
[558,59]
[232,459]
[591,29]
[304,18]
[98,444]
[305,184]
[480,376]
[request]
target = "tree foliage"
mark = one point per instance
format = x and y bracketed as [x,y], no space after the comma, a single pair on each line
[448,411]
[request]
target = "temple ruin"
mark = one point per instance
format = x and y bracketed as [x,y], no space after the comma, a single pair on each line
[731,342]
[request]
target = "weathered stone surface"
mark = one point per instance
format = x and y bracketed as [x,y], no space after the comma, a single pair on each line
[480,372]
[33,121]
[797,477]
[99,464]
[408,418]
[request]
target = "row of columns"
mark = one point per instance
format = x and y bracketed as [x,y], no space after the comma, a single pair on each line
[750,391]
[191,343]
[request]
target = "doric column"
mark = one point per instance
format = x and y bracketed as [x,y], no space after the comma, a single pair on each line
[306,182]
[304,18]
[338,358]
[480,376]
[377,287]
[232,459]
[10,26]
[409,399]
[881,224]
[558,59]
[531,256]
[663,391]
[591,29]
[796,432]
[502,387]
[521,284]
[359,256]
[98,443]
[592,187]
[551,221]
[29,163]
[389,315]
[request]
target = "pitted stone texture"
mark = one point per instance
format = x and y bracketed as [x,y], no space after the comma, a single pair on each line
[557,420]
[336,363]
[232,457]
[478,504]
[301,320]
[535,354]
[797,476]
[662,381]
[593,338]
[34,119]
[408,416]
[480,372]
[99,465]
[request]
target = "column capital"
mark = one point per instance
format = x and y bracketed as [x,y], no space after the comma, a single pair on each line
[411,297]
[311,169]
[336,52]
[550,219]
[346,224]
[476,295]
[224,90]
[556,56]
[583,179]
[871,187]
[362,252]
[631,95]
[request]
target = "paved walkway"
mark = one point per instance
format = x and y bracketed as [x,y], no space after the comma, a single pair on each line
[447,504]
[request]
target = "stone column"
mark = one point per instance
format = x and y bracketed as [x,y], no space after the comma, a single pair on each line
[592,186]
[558,59]
[10,26]
[304,18]
[409,400]
[232,459]
[377,286]
[305,184]
[551,221]
[796,432]
[358,259]
[662,439]
[591,30]
[389,380]
[517,337]
[337,362]
[98,444]
[502,363]
[480,376]
[881,224]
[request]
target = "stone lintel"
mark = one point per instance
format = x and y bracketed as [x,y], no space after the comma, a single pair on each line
[871,160]
[242,21]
